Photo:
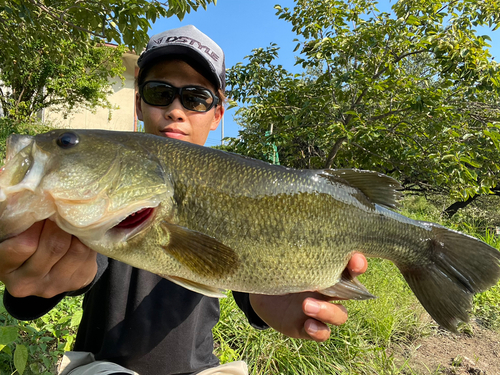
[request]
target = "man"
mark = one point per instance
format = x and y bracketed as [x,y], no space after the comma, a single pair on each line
[134,321]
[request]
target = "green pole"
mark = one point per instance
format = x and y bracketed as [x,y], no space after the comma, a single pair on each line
[273,155]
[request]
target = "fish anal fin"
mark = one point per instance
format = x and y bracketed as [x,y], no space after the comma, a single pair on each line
[348,288]
[202,254]
[379,188]
[197,287]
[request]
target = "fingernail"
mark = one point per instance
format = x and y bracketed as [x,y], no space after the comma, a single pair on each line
[313,327]
[356,269]
[312,307]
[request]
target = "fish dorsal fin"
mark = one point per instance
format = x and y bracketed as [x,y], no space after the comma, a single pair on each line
[202,254]
[197,287]
[378,187]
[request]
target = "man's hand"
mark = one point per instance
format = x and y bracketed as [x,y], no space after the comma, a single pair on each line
[45,261]
[305,315]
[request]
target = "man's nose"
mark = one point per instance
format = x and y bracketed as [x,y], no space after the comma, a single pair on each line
[175,110]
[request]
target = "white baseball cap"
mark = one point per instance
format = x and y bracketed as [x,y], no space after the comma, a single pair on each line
[189,41]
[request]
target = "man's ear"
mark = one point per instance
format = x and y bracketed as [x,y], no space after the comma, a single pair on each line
[219,112]
[138,106]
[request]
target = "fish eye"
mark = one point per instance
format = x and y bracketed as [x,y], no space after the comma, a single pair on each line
[67,140]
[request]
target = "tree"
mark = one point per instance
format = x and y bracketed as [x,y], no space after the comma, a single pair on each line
[75,20]
[413,93]
[51,52]
[35,79]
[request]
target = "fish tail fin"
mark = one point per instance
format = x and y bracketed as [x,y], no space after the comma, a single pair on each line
[459,267]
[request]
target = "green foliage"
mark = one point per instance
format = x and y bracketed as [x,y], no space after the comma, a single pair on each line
[487,307]
[361,346]
[414,93]
[52,53]
[109,20]
[478,219]
[41,76]
[35,347]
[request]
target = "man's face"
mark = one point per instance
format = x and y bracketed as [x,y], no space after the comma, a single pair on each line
[175,121]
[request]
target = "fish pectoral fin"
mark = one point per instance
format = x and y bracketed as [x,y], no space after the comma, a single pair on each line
[202,254]
[196,287]
[348,288]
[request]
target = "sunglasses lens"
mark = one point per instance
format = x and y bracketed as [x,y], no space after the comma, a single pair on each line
[197,99]
[193,98]
[157,93]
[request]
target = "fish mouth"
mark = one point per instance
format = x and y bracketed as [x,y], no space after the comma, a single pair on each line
[136,219]
[132,225]
[24,166]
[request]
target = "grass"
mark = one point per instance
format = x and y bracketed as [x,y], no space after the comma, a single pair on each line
[357,347]
[34,347]
[364,345]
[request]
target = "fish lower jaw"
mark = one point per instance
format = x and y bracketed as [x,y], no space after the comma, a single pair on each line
[128,228]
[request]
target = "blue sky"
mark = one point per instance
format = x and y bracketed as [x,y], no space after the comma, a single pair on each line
[239,26]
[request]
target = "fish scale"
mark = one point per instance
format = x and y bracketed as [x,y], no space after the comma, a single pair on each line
[210,220]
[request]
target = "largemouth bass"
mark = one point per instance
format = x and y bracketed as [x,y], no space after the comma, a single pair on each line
[210,220]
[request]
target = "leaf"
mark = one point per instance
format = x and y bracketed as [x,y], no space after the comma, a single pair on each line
[77,318]
[495,137]
[69,344]
[413,20]
[8,334]
[31,329]
[63,320]
[20,358]
[232,104]
[468,160]
[2,307]
[46,361]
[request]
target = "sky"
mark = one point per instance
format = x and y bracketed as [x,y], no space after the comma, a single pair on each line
[239,26]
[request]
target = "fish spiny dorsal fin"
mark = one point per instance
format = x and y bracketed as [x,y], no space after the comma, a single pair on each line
[378,187]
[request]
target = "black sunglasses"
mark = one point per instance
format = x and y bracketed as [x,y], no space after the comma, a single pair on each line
[162,94]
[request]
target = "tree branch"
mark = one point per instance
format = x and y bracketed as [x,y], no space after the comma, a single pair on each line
[380,117]
[333,152]
[453,209]
[399,58]
[60,17]
[376,76]
[447,6]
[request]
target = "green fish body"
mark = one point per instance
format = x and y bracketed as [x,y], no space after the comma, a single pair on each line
[210,220]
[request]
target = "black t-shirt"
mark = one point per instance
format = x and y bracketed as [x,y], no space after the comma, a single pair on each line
[140,320]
